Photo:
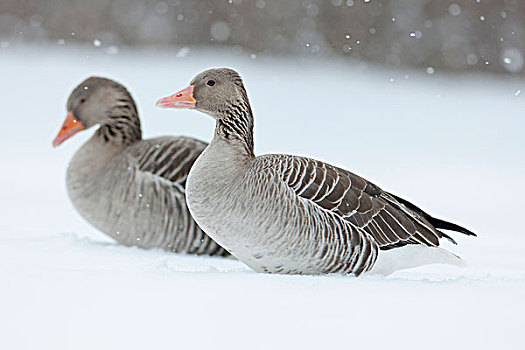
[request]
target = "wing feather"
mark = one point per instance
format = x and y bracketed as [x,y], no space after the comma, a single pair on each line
[167,157]
[389,220]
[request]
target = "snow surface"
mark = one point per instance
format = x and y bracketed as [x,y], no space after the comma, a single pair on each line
[452,144]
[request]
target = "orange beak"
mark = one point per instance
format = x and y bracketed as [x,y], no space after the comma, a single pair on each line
[70,127]
[182,99]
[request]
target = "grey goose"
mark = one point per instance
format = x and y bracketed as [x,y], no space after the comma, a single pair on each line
[294,215]
[129,188]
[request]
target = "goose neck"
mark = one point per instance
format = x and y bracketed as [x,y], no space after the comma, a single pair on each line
[122,124]
[235,127]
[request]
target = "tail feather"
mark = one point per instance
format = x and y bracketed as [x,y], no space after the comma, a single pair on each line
[437,223]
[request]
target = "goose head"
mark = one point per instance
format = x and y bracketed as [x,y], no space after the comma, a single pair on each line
[88,105]
[213,92]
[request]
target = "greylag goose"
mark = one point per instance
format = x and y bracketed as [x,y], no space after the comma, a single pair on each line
[294,215]
[129,188]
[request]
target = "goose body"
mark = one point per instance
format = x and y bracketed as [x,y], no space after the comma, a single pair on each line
[295,215]
[132,189]
[275,230]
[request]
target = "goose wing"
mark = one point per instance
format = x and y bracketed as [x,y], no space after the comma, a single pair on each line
[159,168]
[390,220]
[168,157]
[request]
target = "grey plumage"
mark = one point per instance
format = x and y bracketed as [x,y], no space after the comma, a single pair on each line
[390,220]
[290,214]
[132,189]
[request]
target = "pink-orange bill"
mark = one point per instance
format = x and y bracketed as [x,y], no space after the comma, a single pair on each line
[69,128]
[182,99]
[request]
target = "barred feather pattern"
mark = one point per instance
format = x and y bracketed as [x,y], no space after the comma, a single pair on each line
[358,201]
[347,248]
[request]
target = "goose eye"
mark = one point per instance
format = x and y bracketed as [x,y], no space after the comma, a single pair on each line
[210,82]
[82,100]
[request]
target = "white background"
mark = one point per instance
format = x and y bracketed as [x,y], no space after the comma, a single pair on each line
[452,144]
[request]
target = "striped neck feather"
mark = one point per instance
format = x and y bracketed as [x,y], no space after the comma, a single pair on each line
[236,126]
[122,126]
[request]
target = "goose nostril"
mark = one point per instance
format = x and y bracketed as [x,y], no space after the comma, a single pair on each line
[178,95]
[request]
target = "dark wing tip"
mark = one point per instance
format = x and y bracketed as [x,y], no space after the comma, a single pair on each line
[437,223]
[450,239]
[445,225]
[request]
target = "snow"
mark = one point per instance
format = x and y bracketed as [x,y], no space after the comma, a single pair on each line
[452,144]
